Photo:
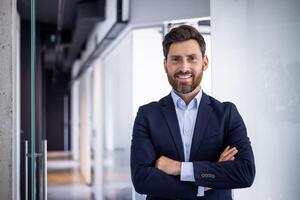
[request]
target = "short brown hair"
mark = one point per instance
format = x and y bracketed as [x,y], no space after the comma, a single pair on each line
[183,33]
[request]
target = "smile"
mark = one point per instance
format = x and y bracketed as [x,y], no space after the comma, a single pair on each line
[183,76]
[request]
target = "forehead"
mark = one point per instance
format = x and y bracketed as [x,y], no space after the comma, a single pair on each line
[187,47]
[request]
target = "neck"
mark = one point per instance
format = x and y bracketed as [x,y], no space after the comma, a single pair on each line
[189,96]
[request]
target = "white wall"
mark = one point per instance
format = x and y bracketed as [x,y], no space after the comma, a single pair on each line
[150,82]
[256,64]
[118,95]
[75,111]
[98,128]
[206,83]
[75,120]
[85,127]
[117,98]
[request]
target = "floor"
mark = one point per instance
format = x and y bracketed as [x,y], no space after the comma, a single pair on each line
[64,179]
[117,181]
[66,183]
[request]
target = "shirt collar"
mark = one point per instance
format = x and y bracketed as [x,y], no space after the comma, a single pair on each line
[179,103]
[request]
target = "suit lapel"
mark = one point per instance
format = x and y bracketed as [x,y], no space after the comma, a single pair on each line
[168,110]
[203,115]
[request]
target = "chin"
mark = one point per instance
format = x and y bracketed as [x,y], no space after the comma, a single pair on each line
[185,91]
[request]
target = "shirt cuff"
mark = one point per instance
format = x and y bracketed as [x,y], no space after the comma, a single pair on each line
[200,192]
[187,172]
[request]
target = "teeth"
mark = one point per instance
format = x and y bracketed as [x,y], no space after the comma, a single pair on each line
[184,76]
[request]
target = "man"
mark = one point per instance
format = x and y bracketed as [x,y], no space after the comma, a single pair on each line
[189,145]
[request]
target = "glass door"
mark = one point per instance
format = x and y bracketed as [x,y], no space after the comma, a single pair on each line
[35,147]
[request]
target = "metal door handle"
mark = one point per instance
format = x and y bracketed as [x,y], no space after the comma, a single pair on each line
[26,169]
[44,155]
[45,169]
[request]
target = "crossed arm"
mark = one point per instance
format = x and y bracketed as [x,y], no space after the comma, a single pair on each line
[173,167]
[158,176]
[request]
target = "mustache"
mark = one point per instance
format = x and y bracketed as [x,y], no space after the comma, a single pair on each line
[184,73]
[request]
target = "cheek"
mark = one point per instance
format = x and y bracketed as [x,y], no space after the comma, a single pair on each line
[170,69]
[197,69]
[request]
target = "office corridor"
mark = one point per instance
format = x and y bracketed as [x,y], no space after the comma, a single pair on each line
[64,179]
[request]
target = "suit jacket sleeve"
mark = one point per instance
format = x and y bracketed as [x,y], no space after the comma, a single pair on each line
[145,177]
[238,173]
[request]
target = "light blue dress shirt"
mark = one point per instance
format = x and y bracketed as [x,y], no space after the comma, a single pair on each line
[186,115]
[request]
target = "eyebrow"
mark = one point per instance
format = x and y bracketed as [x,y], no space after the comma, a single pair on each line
[176,56]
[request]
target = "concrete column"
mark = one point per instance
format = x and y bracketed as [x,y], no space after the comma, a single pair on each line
[9,101]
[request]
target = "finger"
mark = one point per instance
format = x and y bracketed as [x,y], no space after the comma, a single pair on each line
[227,152]
[233,158]
[230,155]
[224,152]
[156,163]
[226,149]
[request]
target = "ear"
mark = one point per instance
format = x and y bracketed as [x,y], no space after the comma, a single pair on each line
[165,65]
[205,62]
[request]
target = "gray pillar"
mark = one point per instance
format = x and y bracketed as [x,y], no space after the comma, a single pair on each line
[9,95]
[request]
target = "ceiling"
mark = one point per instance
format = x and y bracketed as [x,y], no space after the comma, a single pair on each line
[67,23]
[47,11]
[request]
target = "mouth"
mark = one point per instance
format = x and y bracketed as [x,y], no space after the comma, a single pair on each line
[183,77]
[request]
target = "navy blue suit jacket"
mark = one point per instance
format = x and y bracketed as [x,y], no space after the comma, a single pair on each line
[156,133]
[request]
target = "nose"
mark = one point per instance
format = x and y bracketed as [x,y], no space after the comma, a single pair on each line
[185,66]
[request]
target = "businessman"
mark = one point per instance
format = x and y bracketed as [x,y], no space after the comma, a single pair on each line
[189,145]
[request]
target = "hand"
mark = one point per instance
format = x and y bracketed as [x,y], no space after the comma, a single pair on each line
[227,154]
[169,166]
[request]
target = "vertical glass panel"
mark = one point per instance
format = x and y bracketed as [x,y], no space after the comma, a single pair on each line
[117,123]
[33,166]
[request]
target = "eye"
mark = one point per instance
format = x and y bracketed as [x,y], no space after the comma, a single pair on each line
[175,59]
[193,58]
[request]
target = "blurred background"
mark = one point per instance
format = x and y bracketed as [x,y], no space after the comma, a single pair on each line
[97,61]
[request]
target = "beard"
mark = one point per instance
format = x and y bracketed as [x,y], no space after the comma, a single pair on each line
[185,88]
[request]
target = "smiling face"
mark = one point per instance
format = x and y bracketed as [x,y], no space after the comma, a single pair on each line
[184,66]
